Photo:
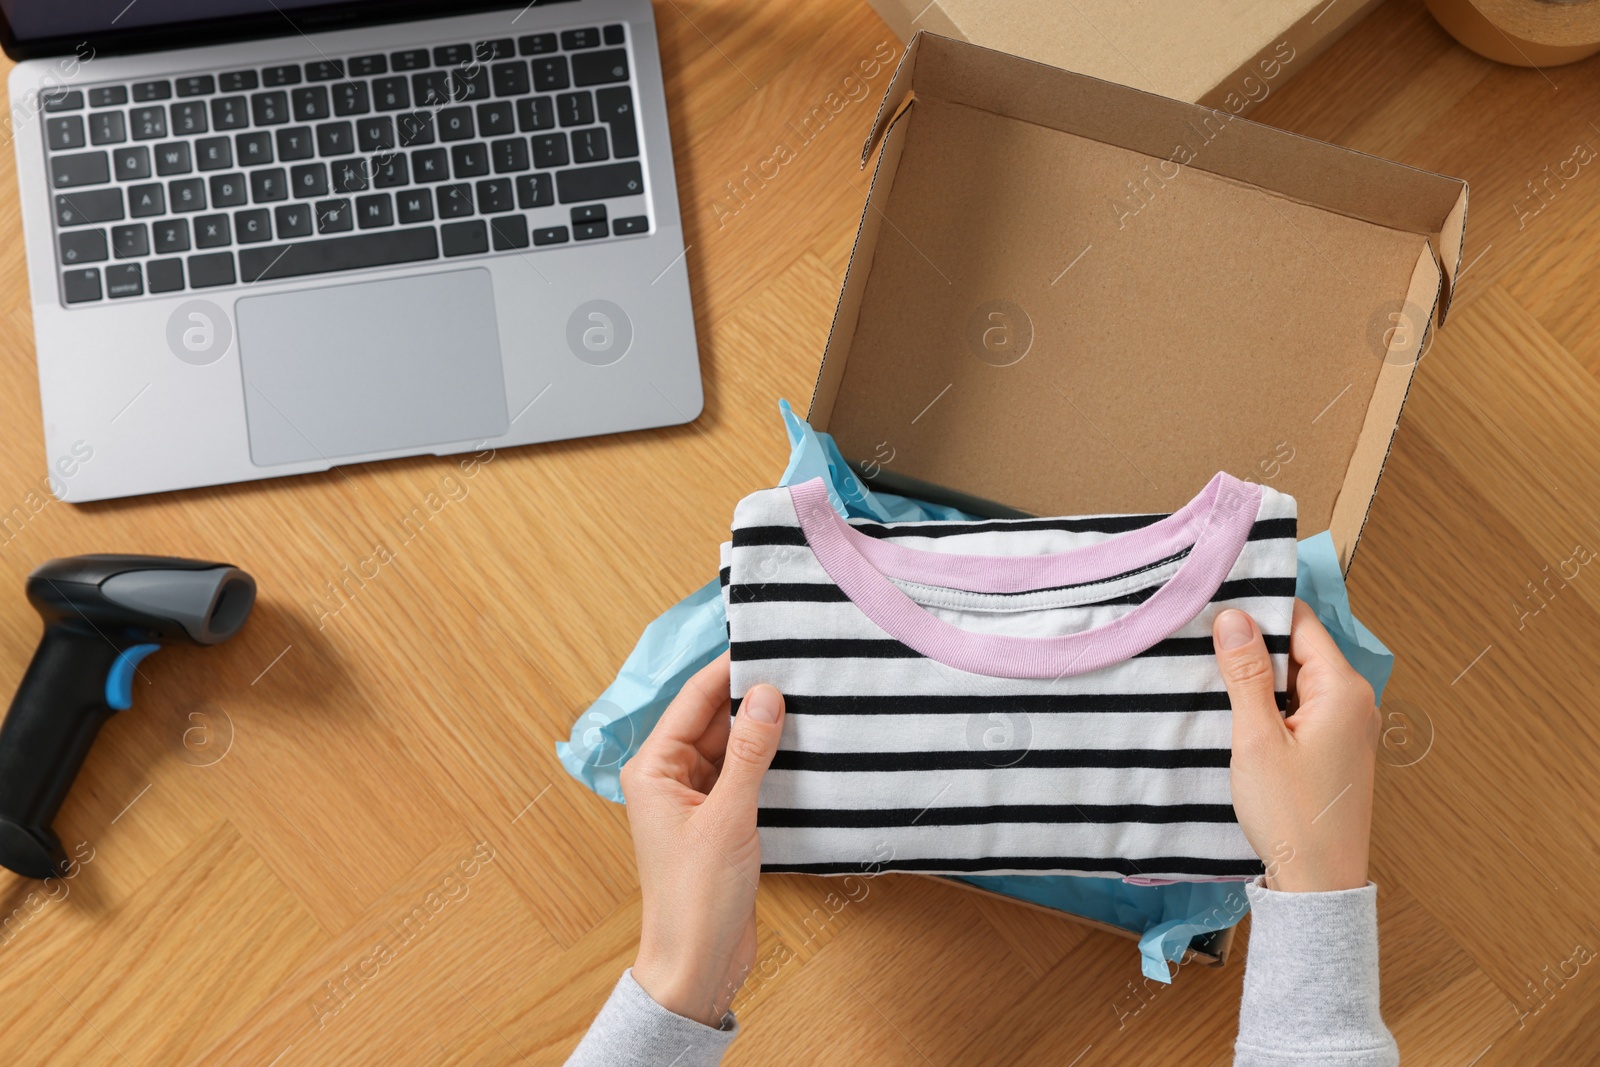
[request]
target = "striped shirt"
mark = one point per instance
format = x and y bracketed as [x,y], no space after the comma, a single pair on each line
[1032,696]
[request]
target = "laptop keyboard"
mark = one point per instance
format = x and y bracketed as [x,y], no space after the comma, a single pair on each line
[297,169]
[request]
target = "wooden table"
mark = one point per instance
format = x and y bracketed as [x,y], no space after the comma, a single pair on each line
[276,839]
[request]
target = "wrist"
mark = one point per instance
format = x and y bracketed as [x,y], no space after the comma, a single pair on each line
[681,990]
[1312,865]
[1305,881]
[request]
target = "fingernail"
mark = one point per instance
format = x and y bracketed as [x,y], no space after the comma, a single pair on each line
[763,704]
[1234,630]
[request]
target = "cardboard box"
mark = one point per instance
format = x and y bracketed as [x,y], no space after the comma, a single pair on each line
[1202,51]
[1067,296]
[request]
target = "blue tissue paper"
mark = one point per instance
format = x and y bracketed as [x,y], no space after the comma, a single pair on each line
[694,632]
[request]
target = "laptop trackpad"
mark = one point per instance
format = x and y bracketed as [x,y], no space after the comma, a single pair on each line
[371,367]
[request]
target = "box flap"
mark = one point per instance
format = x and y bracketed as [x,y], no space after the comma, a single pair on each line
[894,94]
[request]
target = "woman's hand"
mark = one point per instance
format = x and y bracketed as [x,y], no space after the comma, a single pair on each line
[1302,785]
[691,794]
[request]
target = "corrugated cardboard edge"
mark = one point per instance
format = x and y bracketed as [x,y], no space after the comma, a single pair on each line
[1448,238]
[893,95]
[1383,411]
[1453,235]
[1211,948]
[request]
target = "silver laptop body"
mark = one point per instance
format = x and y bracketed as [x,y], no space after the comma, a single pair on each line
[310,249]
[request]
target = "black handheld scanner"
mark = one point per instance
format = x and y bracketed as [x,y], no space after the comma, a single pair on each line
[102,615]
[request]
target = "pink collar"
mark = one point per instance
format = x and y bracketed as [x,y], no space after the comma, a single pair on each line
[1214,526]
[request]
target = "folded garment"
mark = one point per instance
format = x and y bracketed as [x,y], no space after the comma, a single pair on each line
[1031,696]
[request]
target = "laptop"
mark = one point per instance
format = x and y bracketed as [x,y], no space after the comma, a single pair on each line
[269,237]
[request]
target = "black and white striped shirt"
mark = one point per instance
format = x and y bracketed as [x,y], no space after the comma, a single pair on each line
[1033,696]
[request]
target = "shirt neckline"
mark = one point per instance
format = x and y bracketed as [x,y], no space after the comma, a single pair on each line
[1215,526]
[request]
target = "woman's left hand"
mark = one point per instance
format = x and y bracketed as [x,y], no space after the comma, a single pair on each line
[691,794]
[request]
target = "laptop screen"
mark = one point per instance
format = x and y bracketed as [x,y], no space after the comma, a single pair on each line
[88,27]
[33,20]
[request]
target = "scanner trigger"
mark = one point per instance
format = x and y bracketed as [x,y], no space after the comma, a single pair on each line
[119,680]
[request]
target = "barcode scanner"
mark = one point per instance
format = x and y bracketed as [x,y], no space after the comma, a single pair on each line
[102,615]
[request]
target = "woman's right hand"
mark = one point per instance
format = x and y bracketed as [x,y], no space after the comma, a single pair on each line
[1302,785]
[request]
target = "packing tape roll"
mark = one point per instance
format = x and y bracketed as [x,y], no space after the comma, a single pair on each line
[1523,33]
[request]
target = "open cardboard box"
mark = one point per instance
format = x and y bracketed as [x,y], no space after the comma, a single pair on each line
[1068,296]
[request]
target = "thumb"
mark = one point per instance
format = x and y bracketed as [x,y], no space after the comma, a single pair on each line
[752,742]
[1247,672]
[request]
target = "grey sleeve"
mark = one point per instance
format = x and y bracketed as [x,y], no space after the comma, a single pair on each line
[1311,982]
[632,1030]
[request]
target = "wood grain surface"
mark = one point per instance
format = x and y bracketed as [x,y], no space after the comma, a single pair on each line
[266,837]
